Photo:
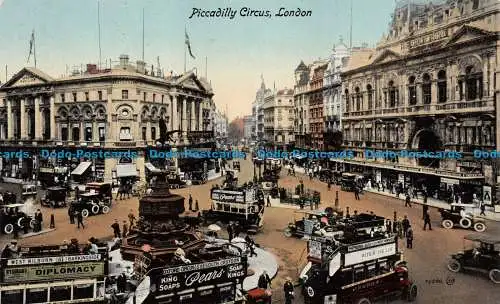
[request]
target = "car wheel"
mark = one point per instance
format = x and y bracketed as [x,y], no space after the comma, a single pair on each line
[8,229]
[32,224]
[288,232]
[412,293]
[105,209]
[495,275]
[448,224]
[480,227]
[85,213]
[364,301]
[310,291]
[20,222]
[454,266]
[465,223]
[95,209]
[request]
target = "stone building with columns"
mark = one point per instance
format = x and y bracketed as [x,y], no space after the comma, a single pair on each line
[116,109]
[429,85]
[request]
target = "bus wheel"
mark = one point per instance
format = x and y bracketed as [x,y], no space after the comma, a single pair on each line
[364,301]
[8,229]
[412,293]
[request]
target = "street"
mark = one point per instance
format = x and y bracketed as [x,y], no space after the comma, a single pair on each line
[427,260]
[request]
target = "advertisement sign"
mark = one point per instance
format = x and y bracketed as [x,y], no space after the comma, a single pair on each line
[370,244]
[374,253]
[228,196]
[450,181]
[55,260]
[426,39]
[314,249]
[172,279]
[487,195]
[64,271]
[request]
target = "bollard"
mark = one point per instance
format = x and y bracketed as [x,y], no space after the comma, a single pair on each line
[52,221]
[395,216]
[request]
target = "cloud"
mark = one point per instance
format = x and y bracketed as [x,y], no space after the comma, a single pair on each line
[1,3]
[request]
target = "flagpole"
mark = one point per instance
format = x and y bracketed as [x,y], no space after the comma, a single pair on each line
[34,47]
[143,34]
[206,67]
[99,29]
[185,46]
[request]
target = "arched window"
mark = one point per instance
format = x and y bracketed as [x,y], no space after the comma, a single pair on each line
[358,99]
[392,94]
[347,108]
[370,96]
[473,83]
[441,84]
[426,89]
[412,91]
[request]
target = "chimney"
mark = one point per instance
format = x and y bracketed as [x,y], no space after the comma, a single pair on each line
[141,67]
[123,61]
[91,68]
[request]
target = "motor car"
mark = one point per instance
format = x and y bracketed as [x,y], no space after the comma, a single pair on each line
[457,217]
[348,182]
[325,175]
[29,189]
[103,190]
[54,197]
[13,216]
[484,257]
[91,203]
[198,177]
[175,181]
[9,198]
[312,222]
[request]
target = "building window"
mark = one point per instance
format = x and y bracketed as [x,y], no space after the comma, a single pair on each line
[154,97]
[392,95]
[370,96]
[144,131]
[162,98]
[144,95]
[64,134]
[74,96]
[358,99]
[473,84]
[63,98]
[86,96]
[76,134]
[412,91]
[346,100]
[475,4]
[88,134]
[125,133]
[153,133]
[102,134]
[426,89]
[441,86]
[124,94]
[99,95]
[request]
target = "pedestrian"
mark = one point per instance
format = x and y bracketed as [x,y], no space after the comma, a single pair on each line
[427,221]
[250,245]
[425,208]
[116,229]
[264,281]
[483,209]
[268,201]
[388,226]
[71,214]
[190,203]
[16,231]
[408,200]
[121,283]
[196,206]
[409,238]
[329,185]
[79,219]
[125,228]
[289,291]
[26,224]
[406,224]
[236,229]
[39,220]
[230,231]
[425,197]
[52,221]
[356,193]
[131,218]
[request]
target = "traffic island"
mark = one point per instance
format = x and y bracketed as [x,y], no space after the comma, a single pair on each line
[27,235]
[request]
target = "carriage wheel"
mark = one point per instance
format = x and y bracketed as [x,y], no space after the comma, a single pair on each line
[288,232]
[95,209]
[8,229]
[495,275]
[85,213]
[448,224]
[465,223]
[479,227]
[364,301]
[105,209]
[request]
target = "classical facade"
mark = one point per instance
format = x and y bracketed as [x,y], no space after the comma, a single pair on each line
[116,109]
[428,86]
[279,118]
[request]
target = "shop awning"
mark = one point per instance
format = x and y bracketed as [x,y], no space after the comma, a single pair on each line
[152,168]
[126,170]
[82,167]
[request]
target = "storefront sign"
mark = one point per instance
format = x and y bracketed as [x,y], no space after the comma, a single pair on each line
[361,256]
[64,271]
[173,279]
[228,196]
[55,260]
[426,39]
[370,244]
[487,195]
[46,170]
[450,181]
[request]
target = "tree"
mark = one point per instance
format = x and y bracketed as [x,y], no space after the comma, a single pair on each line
[236,130]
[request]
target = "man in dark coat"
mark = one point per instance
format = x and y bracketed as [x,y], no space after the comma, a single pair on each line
[289,291]
[71,214]
[406,224]
[425,209]
[427,221]
[264,281]
[39,220]
[409,238]
[116,229]
[230,231]
[79,219]
[408,200]
[190,203]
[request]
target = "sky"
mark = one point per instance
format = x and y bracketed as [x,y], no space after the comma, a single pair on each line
[237,51]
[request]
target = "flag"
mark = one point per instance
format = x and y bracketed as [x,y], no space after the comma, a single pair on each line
[189,45]
[32,43]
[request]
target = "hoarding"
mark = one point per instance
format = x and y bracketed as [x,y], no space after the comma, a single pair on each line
[172,279]
[369,254]
[54,260]
[370,244]
[45,272]
[228,196]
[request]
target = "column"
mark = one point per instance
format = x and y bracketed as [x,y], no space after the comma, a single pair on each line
[22,111]
[52,119]
[485,76]
[420,95]
[148,131]
[491,75]
[82,127]
[174,119]
[193,115]
[434,91]
[10,121]
[38,121]
[95,132]
[200,116]
[184,117]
